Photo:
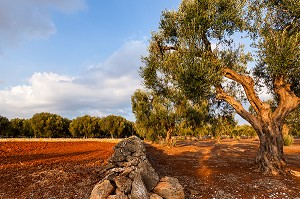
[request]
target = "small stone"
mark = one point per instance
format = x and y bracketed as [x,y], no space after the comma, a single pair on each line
[117,156]
[155,196]
[127,171]
[138,154]
[123,183]
[169,188]
[120,194]
[110,176]
[139,190]
[109,166]
[132,174]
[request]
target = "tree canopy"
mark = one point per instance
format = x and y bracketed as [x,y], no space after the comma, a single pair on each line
[197,50]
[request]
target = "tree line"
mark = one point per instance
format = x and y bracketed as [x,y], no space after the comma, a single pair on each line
[49,125]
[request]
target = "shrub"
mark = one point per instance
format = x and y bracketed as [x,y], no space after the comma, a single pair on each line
[288,140]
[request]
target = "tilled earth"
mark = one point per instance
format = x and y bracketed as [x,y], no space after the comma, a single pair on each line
[206,169]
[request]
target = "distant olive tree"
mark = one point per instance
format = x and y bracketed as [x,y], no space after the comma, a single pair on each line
[4,126]
[86,126]
[48,125]
[21,127]
[117,126]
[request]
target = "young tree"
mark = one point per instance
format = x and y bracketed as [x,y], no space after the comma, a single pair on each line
[195,51]
[160,115]
[154,114]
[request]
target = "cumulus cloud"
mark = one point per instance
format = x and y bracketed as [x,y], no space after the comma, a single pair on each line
[103,89]
[30,19]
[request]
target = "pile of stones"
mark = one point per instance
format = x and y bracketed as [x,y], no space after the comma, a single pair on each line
[129,175]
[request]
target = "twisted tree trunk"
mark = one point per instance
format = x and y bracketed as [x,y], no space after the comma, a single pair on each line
[270,157]
[267,123]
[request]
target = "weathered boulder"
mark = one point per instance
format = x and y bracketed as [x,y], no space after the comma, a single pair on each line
[123,183]
[139,189]
[149,175]
[169,188]
[102,190]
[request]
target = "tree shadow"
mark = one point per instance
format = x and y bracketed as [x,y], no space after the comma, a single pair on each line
[184,166]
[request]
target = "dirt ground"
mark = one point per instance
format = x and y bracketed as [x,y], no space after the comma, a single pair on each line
[206,169]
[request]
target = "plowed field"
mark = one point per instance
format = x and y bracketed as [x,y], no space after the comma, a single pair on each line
[206,169]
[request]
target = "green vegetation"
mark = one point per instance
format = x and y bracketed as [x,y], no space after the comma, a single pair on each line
[288,140]
[48,125]
[195,56]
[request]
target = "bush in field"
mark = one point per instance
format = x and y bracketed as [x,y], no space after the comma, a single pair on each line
[86,126]
[288,140]
[48,125]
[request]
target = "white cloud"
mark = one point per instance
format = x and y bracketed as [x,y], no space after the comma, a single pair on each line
[103,89]
[30,19]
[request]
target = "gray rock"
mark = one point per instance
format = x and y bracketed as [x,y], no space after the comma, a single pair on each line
[117,156]
[139,190]
[123,183]
[120,194]
[132,144]
[127,171]
[169,188]
[155,196]
[102,190]
[149,175]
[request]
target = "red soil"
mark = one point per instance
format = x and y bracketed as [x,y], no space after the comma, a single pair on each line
[206,169]
[51,169]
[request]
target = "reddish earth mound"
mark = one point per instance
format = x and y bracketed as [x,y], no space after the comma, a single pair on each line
[206,169]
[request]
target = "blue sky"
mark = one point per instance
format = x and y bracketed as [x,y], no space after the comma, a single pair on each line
[73,57]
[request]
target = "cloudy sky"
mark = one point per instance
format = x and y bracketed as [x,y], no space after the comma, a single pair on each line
[73,57]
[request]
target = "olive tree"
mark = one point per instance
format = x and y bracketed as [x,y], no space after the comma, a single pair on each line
[195,50]
[48,125]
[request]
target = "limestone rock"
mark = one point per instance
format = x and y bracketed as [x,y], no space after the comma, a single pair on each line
[102,190]
[123,183]
[120,194]
[169,188]
[149,175]
[138,189]
[155,196]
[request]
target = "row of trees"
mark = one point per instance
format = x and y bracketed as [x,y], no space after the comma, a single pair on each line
[48,125]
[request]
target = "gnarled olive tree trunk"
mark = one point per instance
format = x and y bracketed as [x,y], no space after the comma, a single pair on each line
[270,157]
[267,123]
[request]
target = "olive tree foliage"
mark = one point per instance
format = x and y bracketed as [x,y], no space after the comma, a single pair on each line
[49,125]
[4,126]
[21,128]
[293,122]
[85,126]
[158,116]
[117,126]
[195,51]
